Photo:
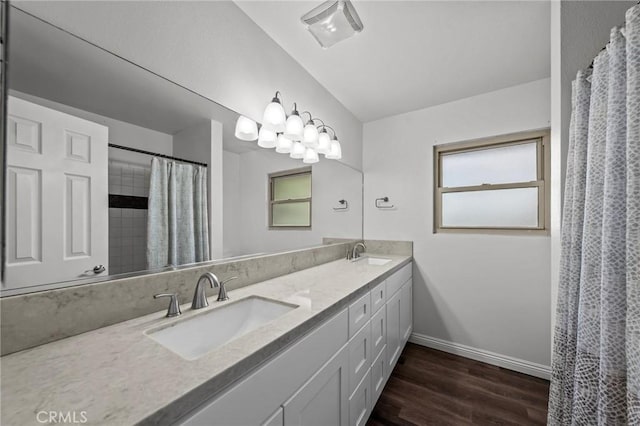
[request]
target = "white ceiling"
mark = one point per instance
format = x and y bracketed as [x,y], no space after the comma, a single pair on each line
[416,54]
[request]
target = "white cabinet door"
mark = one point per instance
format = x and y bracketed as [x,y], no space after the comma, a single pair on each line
[57,195]
[360,402]
[379,376]
[277,419]
[323,400]
[406,311]
[378,332]
[394,342]
[360,356]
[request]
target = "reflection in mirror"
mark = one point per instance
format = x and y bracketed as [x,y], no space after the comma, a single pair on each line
[112,169]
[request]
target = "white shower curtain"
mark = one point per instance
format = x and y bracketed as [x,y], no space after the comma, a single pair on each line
[177,225]
[596,359]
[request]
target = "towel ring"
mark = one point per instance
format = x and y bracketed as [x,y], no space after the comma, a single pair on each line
[342,203]
[384,200]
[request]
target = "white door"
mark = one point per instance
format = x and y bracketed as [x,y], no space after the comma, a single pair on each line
[57,196]
[323,400]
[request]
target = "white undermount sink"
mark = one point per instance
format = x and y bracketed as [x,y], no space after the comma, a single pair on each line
[379,261]
[195,336]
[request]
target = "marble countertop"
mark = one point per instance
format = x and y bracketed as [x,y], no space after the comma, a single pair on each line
[117,375]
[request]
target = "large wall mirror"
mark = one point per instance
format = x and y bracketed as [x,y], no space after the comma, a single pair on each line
[112,169]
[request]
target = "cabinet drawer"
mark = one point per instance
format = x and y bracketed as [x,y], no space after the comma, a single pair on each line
[359,313]
[360,402]
[378,332]
[378,297]
[379,376]
[359,356]
[395,281]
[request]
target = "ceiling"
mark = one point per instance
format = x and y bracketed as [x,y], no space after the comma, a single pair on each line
[416,54]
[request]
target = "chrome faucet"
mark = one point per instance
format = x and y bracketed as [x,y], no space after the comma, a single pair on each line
[174,305]
[355,254]
[200,296]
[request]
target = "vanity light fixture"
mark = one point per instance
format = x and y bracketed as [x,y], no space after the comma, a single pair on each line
[310,156]
[324,142]
[332,21]
[294,127]
[267,138]
[297,151]
[335,151]
[310,136]
[288,135]
[246,129]
[283,144]
[274,117]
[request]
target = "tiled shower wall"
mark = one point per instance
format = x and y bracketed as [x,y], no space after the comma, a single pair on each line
[128,227]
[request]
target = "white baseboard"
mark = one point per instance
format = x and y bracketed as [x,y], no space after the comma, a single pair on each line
[515,364]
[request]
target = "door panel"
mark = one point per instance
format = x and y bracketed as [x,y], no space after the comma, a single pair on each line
[393,330]
[57,194]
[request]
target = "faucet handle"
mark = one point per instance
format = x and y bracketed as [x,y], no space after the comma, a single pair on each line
[228,279]
[222,293]
[174,305]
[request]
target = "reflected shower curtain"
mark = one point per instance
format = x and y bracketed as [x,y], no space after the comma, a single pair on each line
[177,225]
[596,360]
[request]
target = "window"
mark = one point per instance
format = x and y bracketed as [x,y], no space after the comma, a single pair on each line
[494,185]
[290,199]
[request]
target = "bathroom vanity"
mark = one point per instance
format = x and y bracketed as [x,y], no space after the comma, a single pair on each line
[322,360]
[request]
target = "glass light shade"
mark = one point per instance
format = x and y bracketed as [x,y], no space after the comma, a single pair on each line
[324,143]
[310,156]
[297,151]
[333,21]
[294,128]
[246,129]
[266,138]
[274,117]
[335,153]
[310,138]
[283,144]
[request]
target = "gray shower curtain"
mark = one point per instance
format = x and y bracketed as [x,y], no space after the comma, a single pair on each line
[177,224]
[596,359]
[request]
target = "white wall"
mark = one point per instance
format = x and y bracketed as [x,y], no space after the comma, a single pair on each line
[210,47]
[489,292]
[203,143]
[331,181]
[579,30]
[231,204]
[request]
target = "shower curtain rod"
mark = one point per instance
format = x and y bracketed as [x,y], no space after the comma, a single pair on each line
[155,154]
[605,46]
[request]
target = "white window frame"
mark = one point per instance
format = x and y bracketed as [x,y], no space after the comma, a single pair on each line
[542,138]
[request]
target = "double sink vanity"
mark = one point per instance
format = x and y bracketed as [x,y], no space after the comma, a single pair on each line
[314,346]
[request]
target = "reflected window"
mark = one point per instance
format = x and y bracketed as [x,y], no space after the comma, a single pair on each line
[494,185]
[290,199]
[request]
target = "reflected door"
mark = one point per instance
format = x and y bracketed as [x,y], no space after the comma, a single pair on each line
[57,196]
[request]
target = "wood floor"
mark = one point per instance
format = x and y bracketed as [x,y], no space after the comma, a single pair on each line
[430,387]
